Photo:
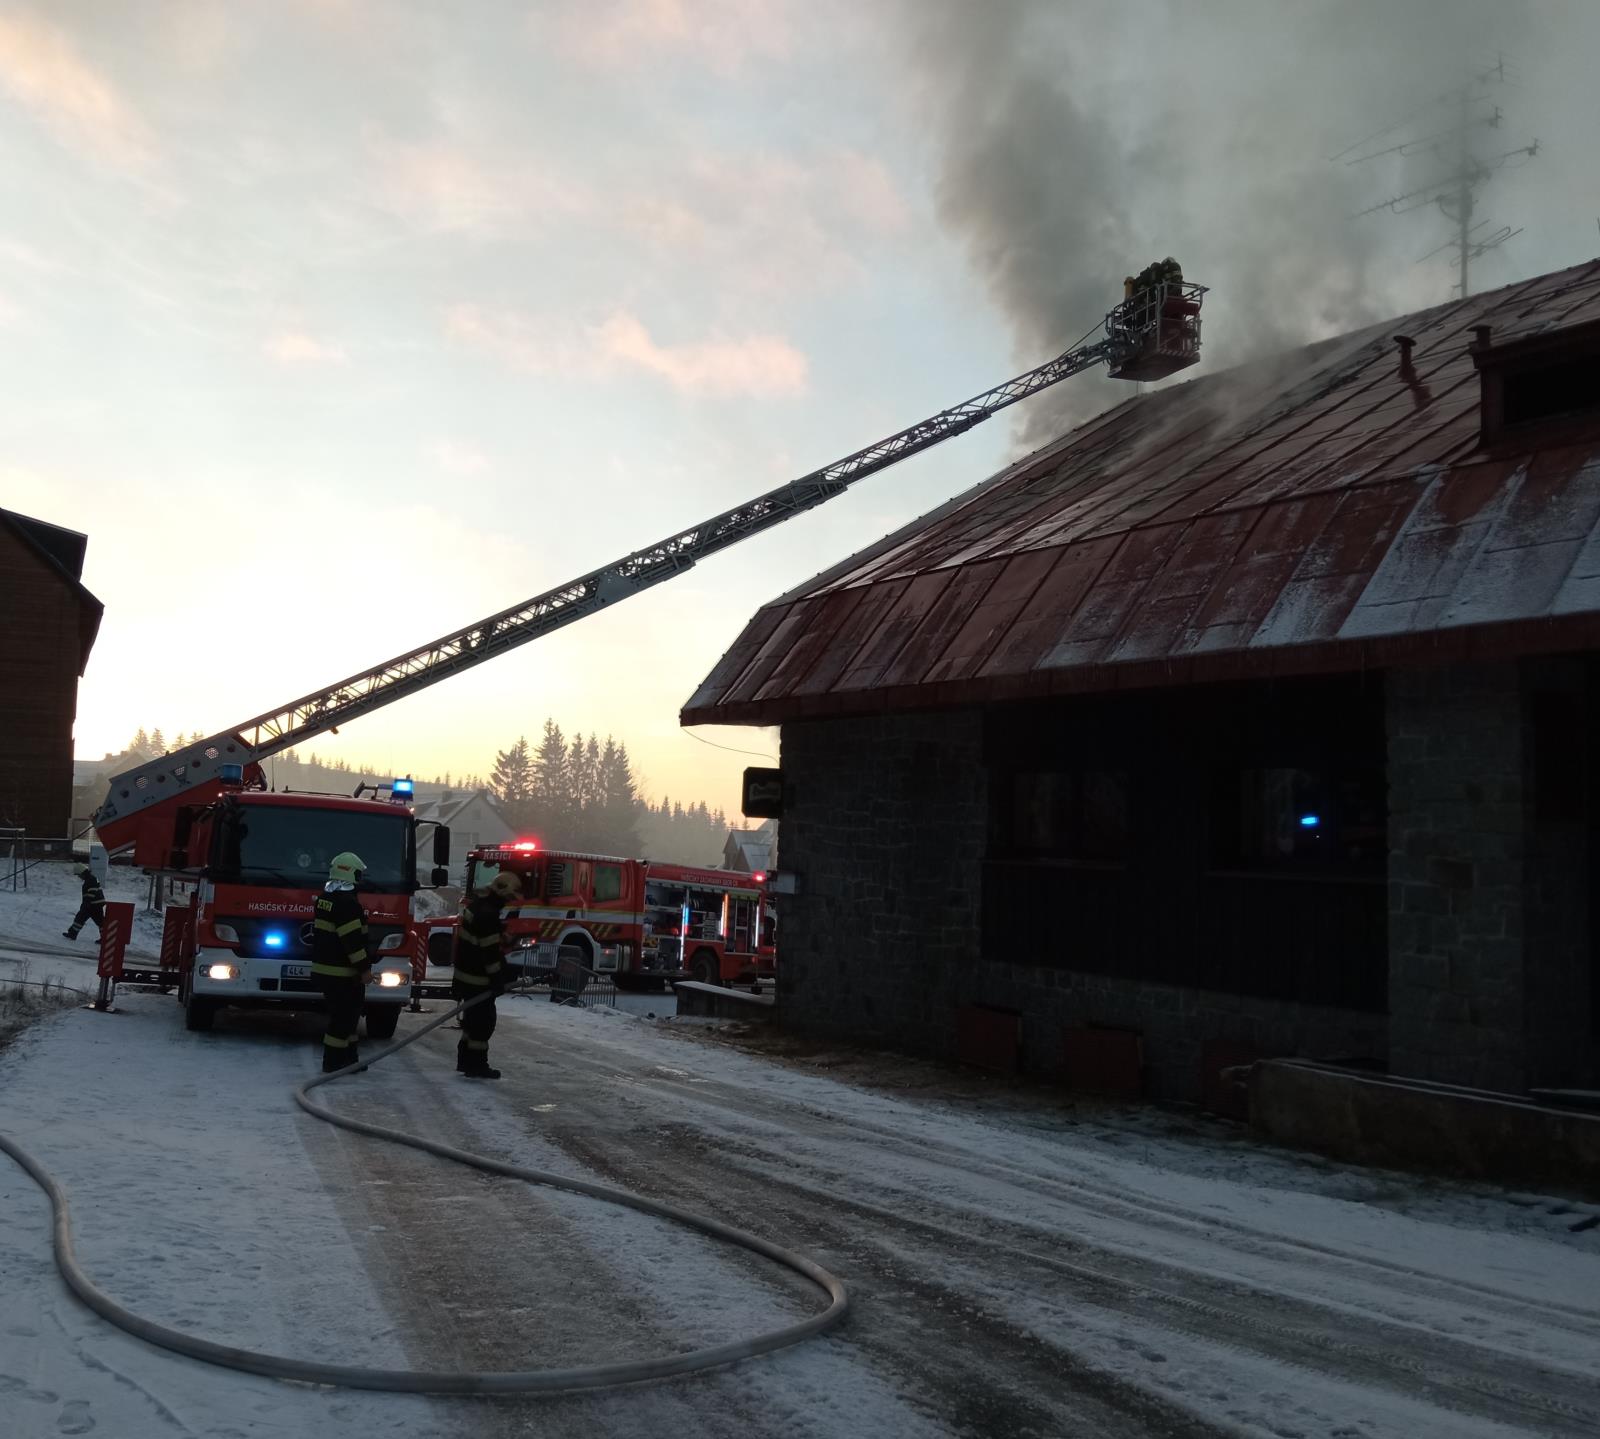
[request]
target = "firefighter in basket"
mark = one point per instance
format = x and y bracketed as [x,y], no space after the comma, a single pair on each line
[480,969]
[339,959]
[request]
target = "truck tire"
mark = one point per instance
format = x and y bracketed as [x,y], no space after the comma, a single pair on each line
[198,1012]
[382,1020]
[704,967]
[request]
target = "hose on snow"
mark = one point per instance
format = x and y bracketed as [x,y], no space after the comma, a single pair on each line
[505,1382]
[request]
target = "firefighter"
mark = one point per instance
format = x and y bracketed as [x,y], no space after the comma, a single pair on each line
[92,906]
[339,959]
[479,968]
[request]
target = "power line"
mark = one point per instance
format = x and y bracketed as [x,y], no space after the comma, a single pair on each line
[730,749]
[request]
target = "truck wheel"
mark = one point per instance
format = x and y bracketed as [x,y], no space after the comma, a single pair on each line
[704,967]
[382,1020]
[198,1012]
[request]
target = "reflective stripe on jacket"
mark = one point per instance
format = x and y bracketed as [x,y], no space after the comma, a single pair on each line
[339,935]
[477,956]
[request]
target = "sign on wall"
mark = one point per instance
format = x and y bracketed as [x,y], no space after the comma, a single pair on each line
[763,793]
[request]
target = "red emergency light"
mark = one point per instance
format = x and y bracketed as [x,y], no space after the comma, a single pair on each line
[526,844]
[759,876]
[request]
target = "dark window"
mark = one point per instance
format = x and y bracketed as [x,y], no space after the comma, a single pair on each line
[607,881]
[1550,391]
[1300,820]
[1066,815]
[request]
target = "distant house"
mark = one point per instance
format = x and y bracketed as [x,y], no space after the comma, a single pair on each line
[50,625]
[751,851]
[474,818]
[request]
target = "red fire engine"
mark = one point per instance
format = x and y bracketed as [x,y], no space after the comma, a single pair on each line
[256,861]
[642,921]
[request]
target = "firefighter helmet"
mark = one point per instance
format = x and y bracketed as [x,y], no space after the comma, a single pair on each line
[506,885]
[346,868]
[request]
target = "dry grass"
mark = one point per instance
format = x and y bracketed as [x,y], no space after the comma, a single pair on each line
[24,1000]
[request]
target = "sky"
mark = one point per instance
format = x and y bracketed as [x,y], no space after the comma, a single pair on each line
[337,324]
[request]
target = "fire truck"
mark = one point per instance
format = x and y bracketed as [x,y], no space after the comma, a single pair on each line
[641,921]
[172,811]
[256,861]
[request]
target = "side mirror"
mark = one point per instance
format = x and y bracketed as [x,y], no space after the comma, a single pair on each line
[441,844]
[440,876]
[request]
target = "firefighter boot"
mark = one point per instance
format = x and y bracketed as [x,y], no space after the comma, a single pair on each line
[69,934]
[481,1070]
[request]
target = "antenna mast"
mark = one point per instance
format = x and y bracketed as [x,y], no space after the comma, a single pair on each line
[1462,169]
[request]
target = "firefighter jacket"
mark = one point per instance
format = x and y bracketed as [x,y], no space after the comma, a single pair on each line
[477,958]
[92,893]
[339,934]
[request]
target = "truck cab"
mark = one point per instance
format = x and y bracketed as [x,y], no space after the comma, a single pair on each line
[260,860]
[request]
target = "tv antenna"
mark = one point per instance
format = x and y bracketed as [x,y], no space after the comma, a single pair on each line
[1462,164]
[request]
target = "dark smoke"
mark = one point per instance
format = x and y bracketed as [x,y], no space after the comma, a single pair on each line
[1079,141]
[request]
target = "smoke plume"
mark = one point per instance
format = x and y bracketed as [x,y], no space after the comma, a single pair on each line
[1076,142]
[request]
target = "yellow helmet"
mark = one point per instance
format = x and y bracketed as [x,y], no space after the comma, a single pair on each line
[506,885]
[346,868]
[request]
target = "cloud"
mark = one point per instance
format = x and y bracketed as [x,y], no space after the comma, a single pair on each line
[769,223]
[43,70]
[719,366]
[295,347]
[459,458]
[450,187]
[723,35]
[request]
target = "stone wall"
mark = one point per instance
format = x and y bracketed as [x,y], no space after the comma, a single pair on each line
[1488,942]
[885,827]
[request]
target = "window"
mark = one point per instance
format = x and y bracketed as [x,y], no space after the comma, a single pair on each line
[607,882]
[558,879]
[1325,821]
[1077,815]
[285,844]
[483,873]
[1565,388]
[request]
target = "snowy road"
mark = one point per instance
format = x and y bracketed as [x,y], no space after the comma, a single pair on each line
[1018,1269]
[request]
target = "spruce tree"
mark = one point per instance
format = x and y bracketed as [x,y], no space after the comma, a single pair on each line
[551,801]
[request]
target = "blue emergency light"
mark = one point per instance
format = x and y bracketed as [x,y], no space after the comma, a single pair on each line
[230,773]
[1310,821]
[274,939]
[403,786]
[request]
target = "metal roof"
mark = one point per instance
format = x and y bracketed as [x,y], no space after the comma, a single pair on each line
[1328,509]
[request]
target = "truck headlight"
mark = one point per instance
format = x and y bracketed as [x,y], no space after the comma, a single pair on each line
[391,979]
[226,933]
[222,971]
[392,941]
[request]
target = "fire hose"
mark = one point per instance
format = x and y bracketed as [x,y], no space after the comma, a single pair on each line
[409,1381]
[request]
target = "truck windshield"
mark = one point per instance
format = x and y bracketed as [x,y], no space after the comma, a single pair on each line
[280,844]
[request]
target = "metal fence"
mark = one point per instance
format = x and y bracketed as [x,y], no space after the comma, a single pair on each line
[576,984]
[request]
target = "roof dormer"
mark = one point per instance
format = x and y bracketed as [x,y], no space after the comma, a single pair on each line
[1538,389]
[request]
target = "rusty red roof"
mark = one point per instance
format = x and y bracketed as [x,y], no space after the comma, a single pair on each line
[1328,509]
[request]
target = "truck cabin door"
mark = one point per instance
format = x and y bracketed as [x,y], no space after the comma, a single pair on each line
[742,926]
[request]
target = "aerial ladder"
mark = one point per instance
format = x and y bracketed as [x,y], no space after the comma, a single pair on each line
[1152,334]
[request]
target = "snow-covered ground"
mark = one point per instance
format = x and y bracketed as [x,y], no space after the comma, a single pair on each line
[1019,1266]
[32,920]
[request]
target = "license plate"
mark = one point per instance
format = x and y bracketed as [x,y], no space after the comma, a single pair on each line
[297,971]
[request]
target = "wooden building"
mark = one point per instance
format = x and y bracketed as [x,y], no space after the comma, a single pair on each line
[48,623]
